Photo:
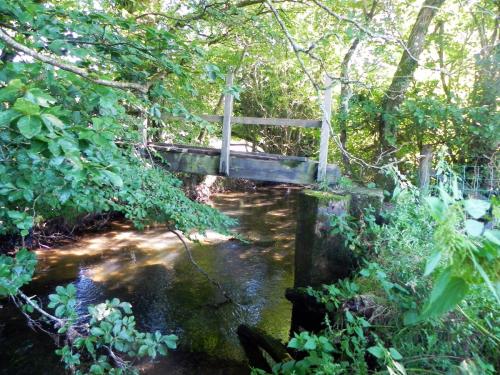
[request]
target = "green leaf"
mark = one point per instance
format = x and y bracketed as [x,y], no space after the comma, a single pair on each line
[493,235]
[437,207]
[29,126]
[447,292]
[485,277]
[473,227]
[395,354]
[26,107]
[171,341]
[54,148]
[52,121]
[293,343]
[476,207]
[114,178]
[432,263]
[6,117]
[376,351]
[96,331]
[60,310]
[96,369]
[11,91]
[310,344]
[37,96]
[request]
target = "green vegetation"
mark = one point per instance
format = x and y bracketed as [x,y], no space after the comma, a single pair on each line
[393,316]
[84,85]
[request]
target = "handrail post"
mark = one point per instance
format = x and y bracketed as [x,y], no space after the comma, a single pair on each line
[226,128]
[325,130]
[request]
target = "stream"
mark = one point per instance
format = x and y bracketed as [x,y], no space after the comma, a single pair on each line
[151,270]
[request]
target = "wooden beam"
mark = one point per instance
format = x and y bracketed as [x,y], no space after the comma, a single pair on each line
[277,122]
[226,128]
[257,121]
[325,130]
[253,166]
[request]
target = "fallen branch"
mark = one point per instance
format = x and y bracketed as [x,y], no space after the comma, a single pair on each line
[71,68]
[201,270]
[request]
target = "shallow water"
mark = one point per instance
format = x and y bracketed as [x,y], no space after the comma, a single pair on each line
[151,270]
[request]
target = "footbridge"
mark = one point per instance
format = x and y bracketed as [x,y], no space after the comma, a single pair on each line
[254,165]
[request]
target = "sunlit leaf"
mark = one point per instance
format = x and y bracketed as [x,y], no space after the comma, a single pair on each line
[29,126]
[476,207]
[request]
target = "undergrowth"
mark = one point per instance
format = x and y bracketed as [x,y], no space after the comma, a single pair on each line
[425,300]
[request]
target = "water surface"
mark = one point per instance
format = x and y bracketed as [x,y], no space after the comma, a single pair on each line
[151,270]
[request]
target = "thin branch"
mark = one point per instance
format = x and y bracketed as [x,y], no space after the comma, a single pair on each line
[295,47]
[201,270]
[71,68]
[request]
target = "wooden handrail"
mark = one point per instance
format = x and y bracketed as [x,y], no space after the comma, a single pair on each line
[302,123]
[228,120]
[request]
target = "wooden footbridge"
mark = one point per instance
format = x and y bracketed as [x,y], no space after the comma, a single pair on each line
[252,165]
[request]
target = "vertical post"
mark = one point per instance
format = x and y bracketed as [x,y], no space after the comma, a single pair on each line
[144,132]
[226,128]
[325,130]
[425,168]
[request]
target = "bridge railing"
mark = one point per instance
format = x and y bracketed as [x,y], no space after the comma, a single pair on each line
[228,120]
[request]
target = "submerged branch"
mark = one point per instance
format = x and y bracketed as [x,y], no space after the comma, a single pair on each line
[201,270]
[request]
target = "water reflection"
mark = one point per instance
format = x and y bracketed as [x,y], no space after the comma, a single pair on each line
[151,270]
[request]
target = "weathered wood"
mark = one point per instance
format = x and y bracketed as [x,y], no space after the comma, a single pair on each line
[425,168]
[226,128]
[259,339]
[301,123]
[276,122]
[144,132]
[254,166]
[325,130]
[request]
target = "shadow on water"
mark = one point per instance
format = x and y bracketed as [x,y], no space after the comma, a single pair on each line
[151,270]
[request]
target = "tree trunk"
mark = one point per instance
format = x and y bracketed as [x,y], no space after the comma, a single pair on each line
[404,73]
[487,79]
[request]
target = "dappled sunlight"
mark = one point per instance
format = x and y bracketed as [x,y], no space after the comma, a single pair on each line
[124,270]
[151,269]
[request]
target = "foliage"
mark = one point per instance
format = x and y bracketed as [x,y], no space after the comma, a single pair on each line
[68,147]
[470,252]
[110,330]
[89,77]
[392,315]
[96,342]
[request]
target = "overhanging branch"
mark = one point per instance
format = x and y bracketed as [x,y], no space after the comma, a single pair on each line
[69,67]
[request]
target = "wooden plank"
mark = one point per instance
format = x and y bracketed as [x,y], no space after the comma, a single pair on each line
[213,151]
[226,128]
[325,130]
[277,122]
[301,123]
[253,166]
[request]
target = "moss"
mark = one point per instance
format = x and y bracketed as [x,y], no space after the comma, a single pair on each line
[324,196]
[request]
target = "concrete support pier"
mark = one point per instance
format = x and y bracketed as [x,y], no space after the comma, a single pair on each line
[320,257]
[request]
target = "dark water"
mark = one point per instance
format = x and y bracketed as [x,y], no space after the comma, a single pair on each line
[151,270]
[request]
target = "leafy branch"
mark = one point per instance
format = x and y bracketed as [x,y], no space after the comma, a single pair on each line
[71,68]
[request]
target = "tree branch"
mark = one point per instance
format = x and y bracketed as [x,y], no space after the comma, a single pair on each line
[71,68]
[295,47]
[201,270]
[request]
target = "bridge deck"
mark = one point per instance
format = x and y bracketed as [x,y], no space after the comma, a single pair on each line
[248,165]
